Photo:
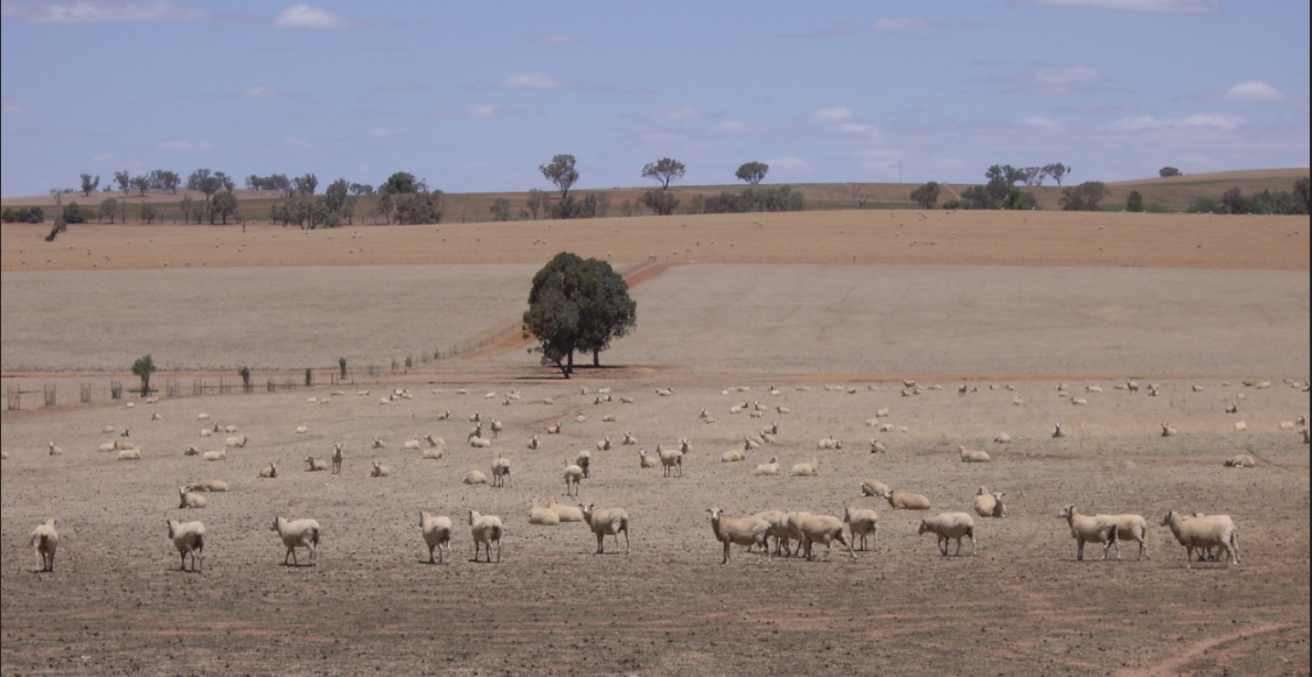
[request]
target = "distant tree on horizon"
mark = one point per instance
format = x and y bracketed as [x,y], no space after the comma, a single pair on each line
[88,185]
[561,172]
[664,170]
[927,195]
[1165,172]
[752,172]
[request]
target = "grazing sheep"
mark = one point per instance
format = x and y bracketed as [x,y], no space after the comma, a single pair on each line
[822,529]
[573,475]
[566,513]
[337,458]
[486,530]
[315,464]
[211,485]
[1203,533]
[584,461]
[950,525]
[862,522]
[269,471]
[610,521]
[1167,431]
[903,500]
[540,516]
[1091,529]
[874,488]
[134,454]
[45,540]
[973,455]
[237,441]
[302,533]
[534,443]
[190,499]
[748,531]
[437,535]
[671,459]
[771,468]
[1240,461]
[474,477]
[500,471]
[807,469]
[188,538]
[380,470]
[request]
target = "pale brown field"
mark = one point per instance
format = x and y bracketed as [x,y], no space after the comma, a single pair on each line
[1019,300]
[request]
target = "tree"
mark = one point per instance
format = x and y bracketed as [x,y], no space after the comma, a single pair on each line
[143,368]
[1084,197]
[1134,203]
[88,185]
[536,200]
[663,170]
[660,202]
[1168,171]
[752,172]
[402,183]
[224,205]
[858,194]
[166,180]
[1302,190]
[500,209]
[74,214]
[561,172]
[361,189]
[1056,171]
[206,182]
[141,184]
[927,195]
[123,180]
[108,208]
[422,207]
[577,305]
[334,197]
[60,226]
[149,212]
[305,185]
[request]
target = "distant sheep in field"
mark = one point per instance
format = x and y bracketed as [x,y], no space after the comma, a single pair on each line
[337,458]
[315,464]
[645,461]
[190,499]
[1167,431]
[829,443]
[534,443]
[604,445]
[771,468]
[380,470]
[480,442]
[485,530]
[573,476]
[133,454]
[302,429]
[44,541]
[989,503]
[554,429]
[237,441]
[188,538]
[1241,426]
[431,454]
[566,513]
[377,443]
[1241,461]
[191,450]
[874,488]
[496,428]
[629,440]
[583,460]
[947,526]
[671,459]
[862,522]
[748,531]
[474,477]
[437,535]
[500,471]
[412,445]
[269,471]
[607,522]
[209,484]
[302,533]
[1057,431]
[973,455]
[1002,438]
[227,429]
[54,450]
[540,516]
[877,447]
[807,469]
[903,500]
[733,456]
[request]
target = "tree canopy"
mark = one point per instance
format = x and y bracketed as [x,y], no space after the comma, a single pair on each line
[577,305]
[561,172]
[664,170]
[752,172]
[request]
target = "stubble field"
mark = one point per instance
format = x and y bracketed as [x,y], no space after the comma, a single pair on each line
[1150,305]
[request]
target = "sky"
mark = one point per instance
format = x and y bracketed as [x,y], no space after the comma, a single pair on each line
[475,97]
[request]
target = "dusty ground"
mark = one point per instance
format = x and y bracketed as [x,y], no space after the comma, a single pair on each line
[1021,606]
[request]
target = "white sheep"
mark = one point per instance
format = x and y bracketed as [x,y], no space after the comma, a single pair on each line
[269,471]
[748,531]
[1240,461]
[302,429]
[1002,438]
[474,477]
[437,535]
[771,468]
[904,500]
[44,541]
[113,446]
[1057,431]
[750,444]
[733,456]
[573,476]
[1130,528]
[238,441]
[208,484]
[1090,529]
[206,432]
[534,443]
[412,445]
[480,442]
[315,464]
[500,471]
[877,447]
[822,529]
[989,503]
[610,521]
[434,441]
[485,530]
[671,459]
[950,525]
[973,455]
[807,469]
[1167,431]
[215,455]
[540,516]
[554,429]
[768,437]
[604,445]
[829,443]
[377,443]
[190,499]
[337,458]
[188,538]
[629,440]
[130,454]
[874,488]
[645,461]
[566,513]
[380,470]
[54,450]
[862,522]
[1203,533]
[302,533]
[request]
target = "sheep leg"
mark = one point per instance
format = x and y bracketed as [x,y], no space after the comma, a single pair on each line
[943,545]
[725,560]
[600,540]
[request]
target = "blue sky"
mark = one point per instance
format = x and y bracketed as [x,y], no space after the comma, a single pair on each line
[475,96]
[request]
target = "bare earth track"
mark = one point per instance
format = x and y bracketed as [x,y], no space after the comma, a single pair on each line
[990,301]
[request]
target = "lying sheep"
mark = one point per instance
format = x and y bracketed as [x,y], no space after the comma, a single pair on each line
[1167,430]
[534,443]
[733,456]
[542,516]
[610,521]
[566,513]
[190,499]
[412,444]
[474,477]
[989,503]
[269,471]
[208,484]
[904,500]
[380,470]
[807,469]
[480,442]
[54,450]
[132,454]
[748,531]
[216,455]
[237,441]
[188,538]
[1057,431]
[302,533]
[1241,461]
[1090,529]
[315,464]
[1002,438]
[771,468]
[645,461]
[973,455]
[950,525]
[431,454]
[877,447]
[629,440]
[1203,533]
[874,488]
[485,530]
[829,443]
[44,541]
[437,535]
[822,529]
[862,522]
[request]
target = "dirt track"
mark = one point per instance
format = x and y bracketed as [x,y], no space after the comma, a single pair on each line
[1022,606]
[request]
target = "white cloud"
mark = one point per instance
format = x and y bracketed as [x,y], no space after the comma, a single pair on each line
[899,24]
[305,16]
[788,162]
[97,12]
[1058,77]
[533,81]
[1170,6]
[556,39]
[1038,121]
[1224,122]
[830,115]
[184,146]
[262,92]
[677,113]
[1254,91]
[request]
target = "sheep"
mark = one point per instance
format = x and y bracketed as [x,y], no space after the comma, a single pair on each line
[540,516]
[1232,408]
[237,441]
[190,499]
[315,464]
[434,441]
[206,432]
[645,461]
[1130,528]
[782,410]
[748,531]
[1002,438]
[750,444]
[1091,529]
[554,429]
[302,429]
[444,415]
[380,470]
[45,540]
[1240,461]
[534,443]
[412,445]
[822,529]
[1241,426]
[480,442]
[1204,532]
[684,447]
[902,500]
[874,488]
[302,533]
[54,450]
[989,503]
[211,485]
[127,431]
[377,443]
[807,469]
[829,443]
[474,477]
[486,530]
[566,513]
[973,455]
[188,537]
[877,447]
[500,471]
[1057,431]
[862,522]
[771,468]
[671,459]
[1167,431]
[431,454]
[580,419]
[216,455]
[496,428]
[113,446]
[269,471]
[733,456]
[475,417]
[950,525]
[437,535]
[202,416]
[604,445]
[584,461]
[573,475]
[337,458]
[610,521]
[191,450]
[625,399]
[131,454]
[629,440]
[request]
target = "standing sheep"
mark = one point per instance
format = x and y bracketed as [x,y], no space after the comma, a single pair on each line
[437,535]
[748,531]
[485,530]
[188,537]
[822,529]
[670,459]
[1203,533]
[1090,529]
[862,522]
[337,458]
[44,541]
[947,526]
[302,533]
[610,521]
[315,464]
[573,475]
[1131,528]
[500,471]
[584,461]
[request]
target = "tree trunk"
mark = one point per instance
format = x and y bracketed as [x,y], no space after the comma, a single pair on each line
[596,358]
[570,362]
